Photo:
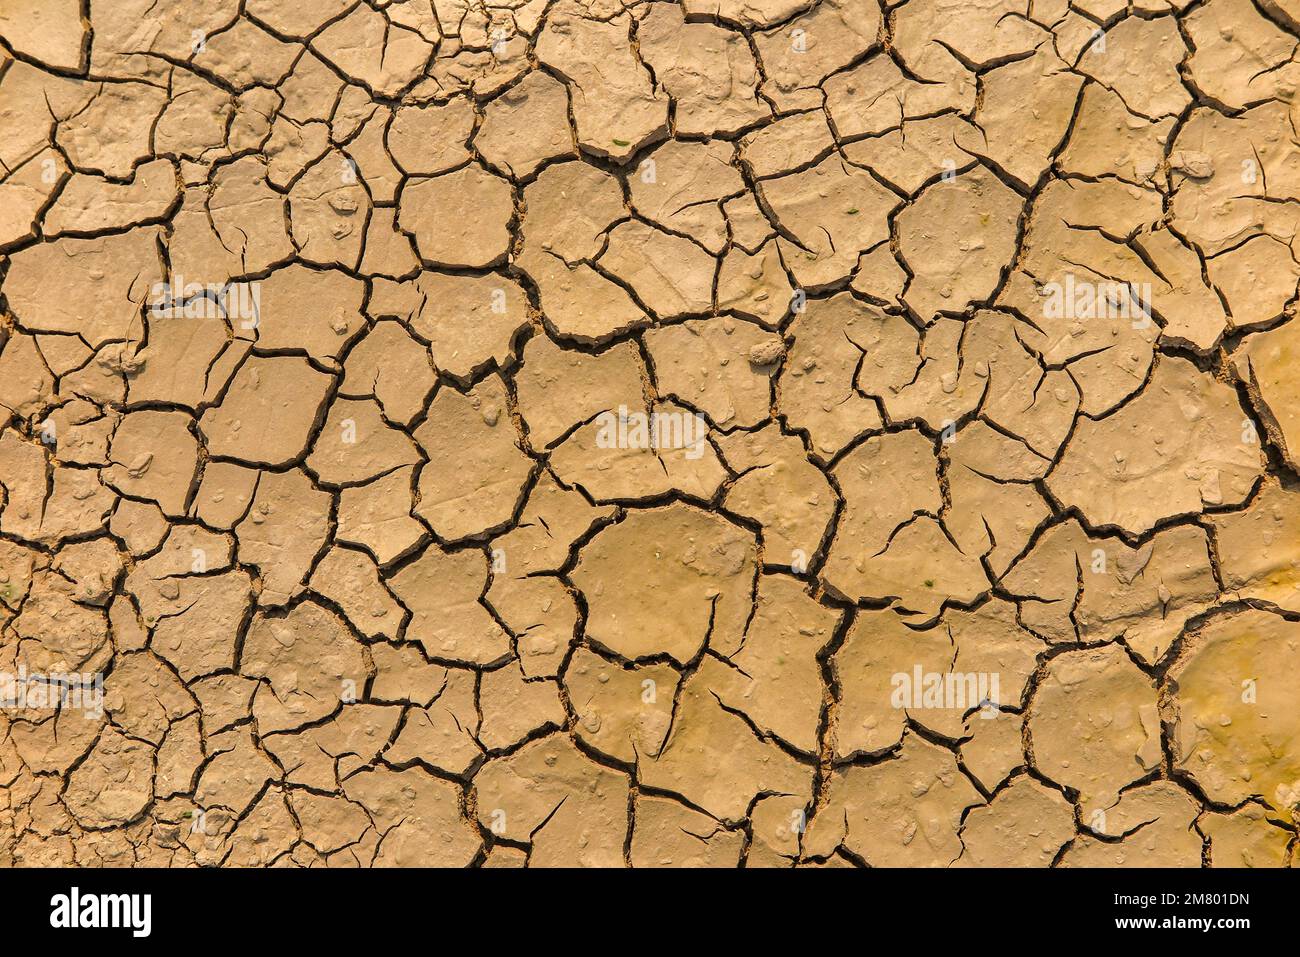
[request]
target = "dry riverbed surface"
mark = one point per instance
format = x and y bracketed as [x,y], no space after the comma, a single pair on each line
[567,432]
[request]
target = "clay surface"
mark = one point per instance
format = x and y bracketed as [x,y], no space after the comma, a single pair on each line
[764,433]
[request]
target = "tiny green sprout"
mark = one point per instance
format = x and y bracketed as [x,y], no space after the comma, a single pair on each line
[622,143]
[929,583]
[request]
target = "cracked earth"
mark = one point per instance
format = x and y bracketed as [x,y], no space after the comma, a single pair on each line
[315,319]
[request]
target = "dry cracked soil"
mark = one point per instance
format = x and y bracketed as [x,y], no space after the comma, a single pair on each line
[573,432]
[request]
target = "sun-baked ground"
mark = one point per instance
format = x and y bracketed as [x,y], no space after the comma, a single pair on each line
[764,432]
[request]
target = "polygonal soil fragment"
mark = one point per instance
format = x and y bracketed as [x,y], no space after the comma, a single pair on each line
[377,517]
[1175,449]
[303,661]
[634,253]
[776,674]
[833,338]
[515,708]
[1259,547]
[442,590]
[961,263]
[569,810]
[470,434]
[890,544]
[392,367]
[1155,822]
[717,366]
[827,215]
[458,219]
[707,70]
[419,816]
[469,321]
[1024,826]
[781,489]
[624,712]
[154,456]
[1244,838]
[1096,589]
[355,445]
[616,107]
[368,47]
[1094,725]
[442,734]
[814,45]
[526,126]
[1266,364]
[667,834]
[318,311]
[694,570]
[349,578]
[595,383]
[284,530]
[268,413]
[115,273]
[112,786]
[1235,737]
[904,812]
[715,759]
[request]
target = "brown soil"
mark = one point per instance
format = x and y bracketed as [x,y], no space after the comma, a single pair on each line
[755,432]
